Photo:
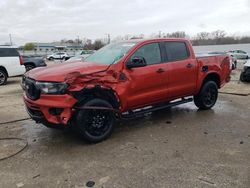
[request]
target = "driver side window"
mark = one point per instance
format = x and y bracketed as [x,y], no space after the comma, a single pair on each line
[150,52]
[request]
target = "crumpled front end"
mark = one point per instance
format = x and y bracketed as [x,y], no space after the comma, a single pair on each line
[51,109]
[59,109]
[55,109]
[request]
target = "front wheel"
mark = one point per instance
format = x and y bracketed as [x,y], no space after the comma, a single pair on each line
[207,96]
[95,125]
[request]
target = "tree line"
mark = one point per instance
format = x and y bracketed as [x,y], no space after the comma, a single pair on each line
[202,38]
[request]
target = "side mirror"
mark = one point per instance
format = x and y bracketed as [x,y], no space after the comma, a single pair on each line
[136,62]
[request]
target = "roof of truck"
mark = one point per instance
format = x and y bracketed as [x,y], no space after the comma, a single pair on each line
[154,39]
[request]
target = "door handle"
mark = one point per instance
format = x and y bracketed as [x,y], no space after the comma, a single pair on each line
[160,70]
[189,65]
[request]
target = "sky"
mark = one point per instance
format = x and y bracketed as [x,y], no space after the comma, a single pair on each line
[53,20]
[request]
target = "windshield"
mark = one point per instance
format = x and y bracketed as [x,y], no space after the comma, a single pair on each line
[111,53]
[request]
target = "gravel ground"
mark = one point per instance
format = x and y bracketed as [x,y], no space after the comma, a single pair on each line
[178,147]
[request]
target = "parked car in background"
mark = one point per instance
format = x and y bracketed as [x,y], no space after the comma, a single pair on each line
[233,59]
[80,56]
[87,52]
[245,74]
[11,63]
[239,54]
[76,58]
[58,55]
[31,62]
[123,80]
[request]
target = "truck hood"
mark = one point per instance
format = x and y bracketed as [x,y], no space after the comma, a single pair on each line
[58,73]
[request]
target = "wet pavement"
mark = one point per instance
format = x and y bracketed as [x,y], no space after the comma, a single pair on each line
[177,147]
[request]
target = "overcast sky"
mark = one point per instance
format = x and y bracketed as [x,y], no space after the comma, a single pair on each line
[50,20]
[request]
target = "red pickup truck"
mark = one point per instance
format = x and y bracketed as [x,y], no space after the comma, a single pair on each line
[123,80]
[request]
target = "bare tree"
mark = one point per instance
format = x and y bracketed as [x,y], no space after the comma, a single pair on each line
[177,34]
[203,35]
[218,34]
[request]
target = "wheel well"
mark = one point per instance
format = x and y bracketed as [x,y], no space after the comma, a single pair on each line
[212,77]
[97,92]
[3,69]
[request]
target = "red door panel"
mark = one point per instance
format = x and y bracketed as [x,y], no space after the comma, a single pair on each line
[148,85]
[182,78]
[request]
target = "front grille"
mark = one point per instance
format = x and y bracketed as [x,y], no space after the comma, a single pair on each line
[31,90]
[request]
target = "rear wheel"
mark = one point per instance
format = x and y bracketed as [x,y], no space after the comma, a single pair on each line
[207,96]
[95,125]
[3,77]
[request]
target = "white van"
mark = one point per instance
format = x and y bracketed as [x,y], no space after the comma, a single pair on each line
[11,63]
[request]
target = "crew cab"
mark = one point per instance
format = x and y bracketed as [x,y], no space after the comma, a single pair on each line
[11,63]
[123,80]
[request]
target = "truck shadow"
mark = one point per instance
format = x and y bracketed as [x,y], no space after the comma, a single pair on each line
[175,118]
[167,118]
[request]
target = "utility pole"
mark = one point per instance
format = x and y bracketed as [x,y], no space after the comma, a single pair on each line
[10,39]
[78,40]
[159,34]
[108,35]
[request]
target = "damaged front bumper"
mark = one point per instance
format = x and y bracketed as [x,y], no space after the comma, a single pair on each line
[53,109]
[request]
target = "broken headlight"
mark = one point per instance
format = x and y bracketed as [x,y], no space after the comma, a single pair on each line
[56,88]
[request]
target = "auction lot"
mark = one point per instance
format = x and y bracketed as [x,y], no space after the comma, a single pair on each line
[177,147]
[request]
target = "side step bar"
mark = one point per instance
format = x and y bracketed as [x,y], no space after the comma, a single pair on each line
[139,113]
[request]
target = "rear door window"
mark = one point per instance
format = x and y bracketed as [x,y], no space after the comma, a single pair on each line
[176,51]
[8,52]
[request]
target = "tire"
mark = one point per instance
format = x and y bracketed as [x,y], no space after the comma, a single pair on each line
[242,77]
[3,78]
[94,125]
[51,58]
[29,67]
[207,96]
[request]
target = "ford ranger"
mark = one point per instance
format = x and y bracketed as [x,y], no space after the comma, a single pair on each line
[123,80]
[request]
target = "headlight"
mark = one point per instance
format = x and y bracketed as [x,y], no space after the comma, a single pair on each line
[52,87]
